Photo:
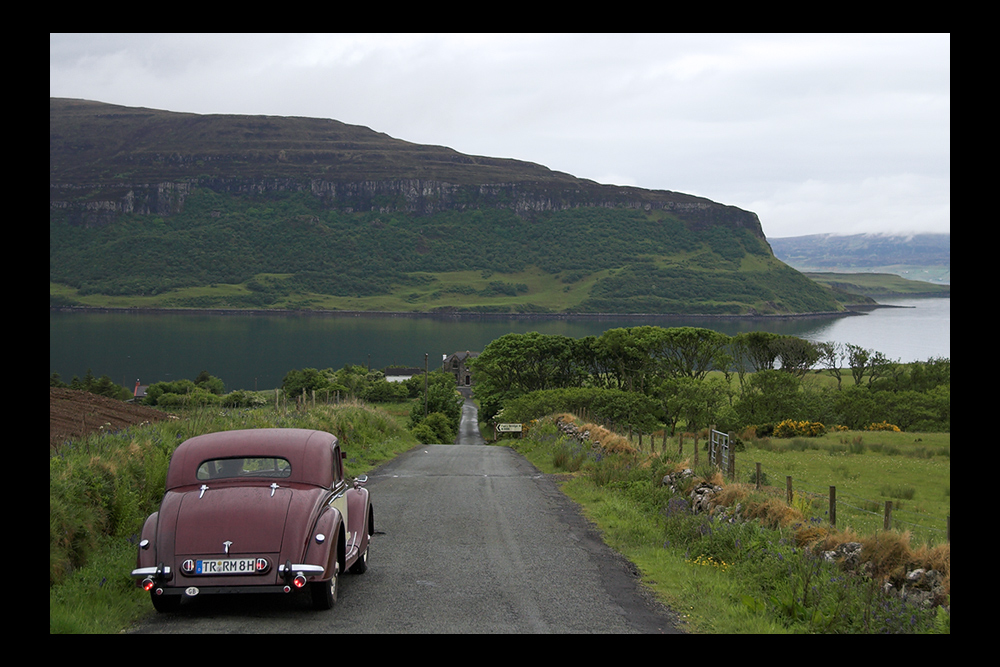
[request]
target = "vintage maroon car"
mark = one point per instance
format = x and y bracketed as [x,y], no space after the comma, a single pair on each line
[255,511]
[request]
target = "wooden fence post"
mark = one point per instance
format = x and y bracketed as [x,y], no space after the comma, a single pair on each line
[887,523]
[788,488]
[758,476]
[833,506]
[732,458]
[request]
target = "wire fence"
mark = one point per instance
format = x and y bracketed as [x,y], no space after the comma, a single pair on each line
[843,510]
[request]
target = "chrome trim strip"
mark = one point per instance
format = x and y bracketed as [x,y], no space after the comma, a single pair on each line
[151,571]
[304,569]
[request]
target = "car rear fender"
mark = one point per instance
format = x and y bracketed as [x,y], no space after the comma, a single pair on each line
[325,545]
[147,553]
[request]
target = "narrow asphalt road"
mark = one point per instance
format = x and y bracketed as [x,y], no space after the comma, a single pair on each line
[468,428]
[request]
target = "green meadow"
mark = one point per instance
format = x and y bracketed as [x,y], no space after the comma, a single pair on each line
[868,468]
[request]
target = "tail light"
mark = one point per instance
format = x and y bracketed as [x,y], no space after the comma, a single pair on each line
[147,584]
[299,580]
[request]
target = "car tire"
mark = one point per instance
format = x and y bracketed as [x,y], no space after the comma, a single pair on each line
[324,593]
[165,603]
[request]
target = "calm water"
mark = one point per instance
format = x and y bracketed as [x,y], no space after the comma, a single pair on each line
[255,352]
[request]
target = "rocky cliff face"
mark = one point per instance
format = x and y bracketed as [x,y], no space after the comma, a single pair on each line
[106,160]
[97,205]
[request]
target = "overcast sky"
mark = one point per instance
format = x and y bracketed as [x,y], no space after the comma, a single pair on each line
[815,133]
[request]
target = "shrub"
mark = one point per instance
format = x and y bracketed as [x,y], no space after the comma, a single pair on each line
[441,424]
[790,428]
[383,391]
[243,399]
[569,456]
[424,434]
[882,426]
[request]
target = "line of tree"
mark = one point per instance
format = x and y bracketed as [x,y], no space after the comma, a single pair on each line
[701,377]
[102,386]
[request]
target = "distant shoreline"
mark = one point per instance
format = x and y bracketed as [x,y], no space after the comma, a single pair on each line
[851,311]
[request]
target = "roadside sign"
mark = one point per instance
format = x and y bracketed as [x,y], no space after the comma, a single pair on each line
[508,428]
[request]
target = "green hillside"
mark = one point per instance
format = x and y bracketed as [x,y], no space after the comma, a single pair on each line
[879,284]
[157,209]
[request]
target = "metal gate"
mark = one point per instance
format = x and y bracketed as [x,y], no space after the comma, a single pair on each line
[719,452]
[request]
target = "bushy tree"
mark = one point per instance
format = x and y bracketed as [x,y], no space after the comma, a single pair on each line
[770,396]
[697,402]
[210,383]
[179,393]
[381,390]
[441,397]
[441,425]
[516,364]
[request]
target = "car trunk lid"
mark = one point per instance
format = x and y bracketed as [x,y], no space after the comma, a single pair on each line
[250,519]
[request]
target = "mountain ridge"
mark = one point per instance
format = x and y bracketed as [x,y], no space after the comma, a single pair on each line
[135,159]
[162,209]
[917,256]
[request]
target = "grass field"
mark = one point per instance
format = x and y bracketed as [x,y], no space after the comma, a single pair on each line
[882,284]
[913,470]
[457,289]
[867,469]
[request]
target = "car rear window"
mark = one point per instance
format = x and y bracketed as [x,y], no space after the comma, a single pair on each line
[238,466]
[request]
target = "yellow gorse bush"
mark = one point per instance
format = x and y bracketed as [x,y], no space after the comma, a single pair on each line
[791,428]
[882,426]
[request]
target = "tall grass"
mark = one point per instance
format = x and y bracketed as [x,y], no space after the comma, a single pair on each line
[102,488]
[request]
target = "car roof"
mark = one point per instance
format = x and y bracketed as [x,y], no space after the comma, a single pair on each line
[310,453]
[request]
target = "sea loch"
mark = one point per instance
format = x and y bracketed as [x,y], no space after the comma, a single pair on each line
[255,351]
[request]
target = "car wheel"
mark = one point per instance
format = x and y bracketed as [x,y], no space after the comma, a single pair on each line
[324,593]
[165,603]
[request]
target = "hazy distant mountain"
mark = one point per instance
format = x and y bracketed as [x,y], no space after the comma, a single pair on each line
[917,257]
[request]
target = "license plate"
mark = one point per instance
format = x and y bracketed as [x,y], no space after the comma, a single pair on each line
[225,566]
